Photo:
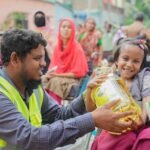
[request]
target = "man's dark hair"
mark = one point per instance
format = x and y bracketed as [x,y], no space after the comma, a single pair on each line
[39,19]
[139,17]
[20,41]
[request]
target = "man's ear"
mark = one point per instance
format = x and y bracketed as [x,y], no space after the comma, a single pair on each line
[14,58]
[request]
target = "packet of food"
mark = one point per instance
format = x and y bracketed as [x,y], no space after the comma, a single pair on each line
[114,88]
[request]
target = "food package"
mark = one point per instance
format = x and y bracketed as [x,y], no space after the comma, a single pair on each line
[113,88]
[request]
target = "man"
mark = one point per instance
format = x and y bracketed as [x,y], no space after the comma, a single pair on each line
[131,31]
[42,26]
[29,118]
[136,27]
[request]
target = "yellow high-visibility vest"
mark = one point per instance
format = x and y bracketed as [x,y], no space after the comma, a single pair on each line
[33,113]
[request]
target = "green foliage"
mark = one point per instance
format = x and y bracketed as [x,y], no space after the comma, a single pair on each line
[15,19]
[140,6]
[143,6]
[18,18]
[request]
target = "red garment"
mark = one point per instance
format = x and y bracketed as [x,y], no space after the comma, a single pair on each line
[143,140]
[56,97]
[72,59]
[106,141]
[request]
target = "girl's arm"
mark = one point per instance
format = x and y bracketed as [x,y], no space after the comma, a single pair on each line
[94,82]
[89,103]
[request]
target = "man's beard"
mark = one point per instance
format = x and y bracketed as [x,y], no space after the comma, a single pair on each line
[31,84]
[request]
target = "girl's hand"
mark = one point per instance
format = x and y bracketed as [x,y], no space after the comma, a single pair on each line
[47,76]
[53,69]
[51,74]
[96,81]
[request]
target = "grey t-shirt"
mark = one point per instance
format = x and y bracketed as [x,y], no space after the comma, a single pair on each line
[141,85]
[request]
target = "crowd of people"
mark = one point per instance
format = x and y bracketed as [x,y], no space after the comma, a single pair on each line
[37,74]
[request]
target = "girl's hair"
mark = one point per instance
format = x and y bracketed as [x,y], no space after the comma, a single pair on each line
[142,44]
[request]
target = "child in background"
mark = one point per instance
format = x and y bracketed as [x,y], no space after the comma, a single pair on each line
[129,57]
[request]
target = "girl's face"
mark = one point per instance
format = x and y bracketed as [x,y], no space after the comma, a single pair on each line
[129,61]
[65,30]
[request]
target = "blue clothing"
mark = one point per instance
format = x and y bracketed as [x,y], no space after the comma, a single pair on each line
[61,125]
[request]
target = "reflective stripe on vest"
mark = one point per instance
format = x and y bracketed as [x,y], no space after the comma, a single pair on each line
[33,114]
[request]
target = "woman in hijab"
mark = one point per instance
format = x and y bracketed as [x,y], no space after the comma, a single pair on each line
[68,63]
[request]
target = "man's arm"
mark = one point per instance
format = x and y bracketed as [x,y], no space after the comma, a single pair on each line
[103,117]
[52,112]
[16,130]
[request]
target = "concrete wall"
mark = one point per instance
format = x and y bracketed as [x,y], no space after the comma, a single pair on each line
[61,12]
[96,9]
[28,7]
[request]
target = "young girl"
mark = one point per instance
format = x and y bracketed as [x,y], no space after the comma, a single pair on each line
[129,57]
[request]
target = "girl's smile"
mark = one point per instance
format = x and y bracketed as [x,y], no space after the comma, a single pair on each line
[129,61]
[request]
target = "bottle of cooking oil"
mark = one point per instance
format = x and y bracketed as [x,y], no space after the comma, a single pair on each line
[113,88]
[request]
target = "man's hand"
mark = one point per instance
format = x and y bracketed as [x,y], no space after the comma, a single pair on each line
[138,123]
[106,119]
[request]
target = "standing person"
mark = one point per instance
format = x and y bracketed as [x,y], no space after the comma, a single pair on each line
[107,39]
[130,31]
[80,30]
[68,60]
[29,118]
[129,57]
[145,36]
[136,27]
[91,42]
[42,26]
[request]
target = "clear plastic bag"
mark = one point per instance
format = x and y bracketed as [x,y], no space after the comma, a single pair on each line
[114,89]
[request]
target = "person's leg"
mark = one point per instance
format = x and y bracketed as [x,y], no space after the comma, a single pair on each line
[107,141]
[56,97]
